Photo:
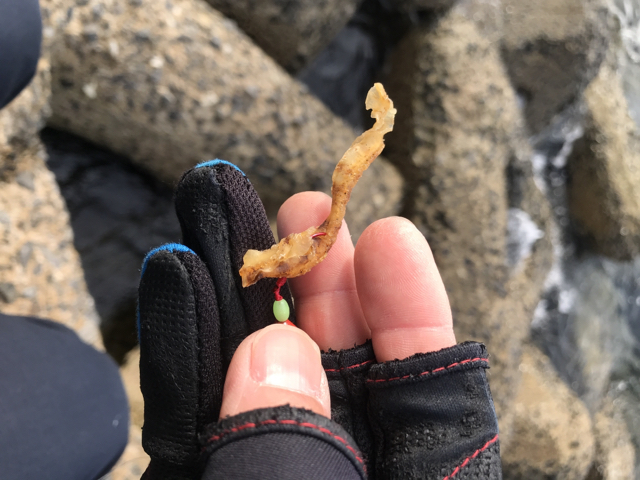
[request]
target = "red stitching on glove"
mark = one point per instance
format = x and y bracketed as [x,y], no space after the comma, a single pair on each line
[428,372]
[215,438]
[347,368]
[469,458]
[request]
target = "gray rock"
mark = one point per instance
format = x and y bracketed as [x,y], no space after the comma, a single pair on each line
[587,334]
[291,32]
[552,49]
[614,455]
[588,322]
[553,436]
[168,105]
[627,50]
[605,172]
[8,292]
[37,256]
[460,146]
[25,179]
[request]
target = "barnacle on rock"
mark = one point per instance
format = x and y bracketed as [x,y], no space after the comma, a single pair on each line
[298,253]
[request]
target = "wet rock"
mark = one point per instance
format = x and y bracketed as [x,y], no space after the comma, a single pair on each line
[605,172]
[460,146]
[19,122]
[588,324]
[587,334]
[552,49]
[168,105]
[614,454]
[553,435]
[291,32]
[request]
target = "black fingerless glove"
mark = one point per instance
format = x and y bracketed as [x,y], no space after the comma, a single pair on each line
[429,416]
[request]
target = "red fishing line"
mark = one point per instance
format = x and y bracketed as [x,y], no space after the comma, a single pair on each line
[276,291]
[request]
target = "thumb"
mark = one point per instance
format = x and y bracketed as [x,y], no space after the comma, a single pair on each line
[277,365]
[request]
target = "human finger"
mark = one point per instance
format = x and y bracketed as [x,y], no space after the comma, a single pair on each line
[401,291]
[275,366]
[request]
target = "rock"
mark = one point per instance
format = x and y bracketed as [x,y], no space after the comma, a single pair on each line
[36,251]
[614,454]
[626,47]
[130,372]
[8,292]
[24,117]
[590,335]
[343,72]
[134,459]
[460,146]
[553,435]
[488,16]
[421,5]
[117,213]
[552,49]
[626,400]
[588,325]
[291,32]
[25,179]
[605,171]
[40,271]
[167,104]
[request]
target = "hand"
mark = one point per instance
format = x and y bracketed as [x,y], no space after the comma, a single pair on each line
[396,410]
[388,289]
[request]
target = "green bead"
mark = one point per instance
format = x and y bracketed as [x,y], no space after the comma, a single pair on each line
[281,310]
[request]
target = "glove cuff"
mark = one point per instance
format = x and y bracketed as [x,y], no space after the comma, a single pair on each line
[424,366]
[433,417]
[280,443]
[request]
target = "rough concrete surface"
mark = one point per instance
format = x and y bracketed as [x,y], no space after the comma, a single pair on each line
[614,455]
[552,49]
[169,85]
[292,33]
[459,135]
[40,271]
[553,436]
[605,172]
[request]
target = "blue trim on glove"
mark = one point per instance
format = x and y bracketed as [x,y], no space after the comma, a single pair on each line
[169,247]
[217,161]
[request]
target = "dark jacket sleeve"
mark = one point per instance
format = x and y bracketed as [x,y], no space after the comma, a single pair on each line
[281,443]
[20,39]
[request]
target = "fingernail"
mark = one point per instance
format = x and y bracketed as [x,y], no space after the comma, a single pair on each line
[287,358]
